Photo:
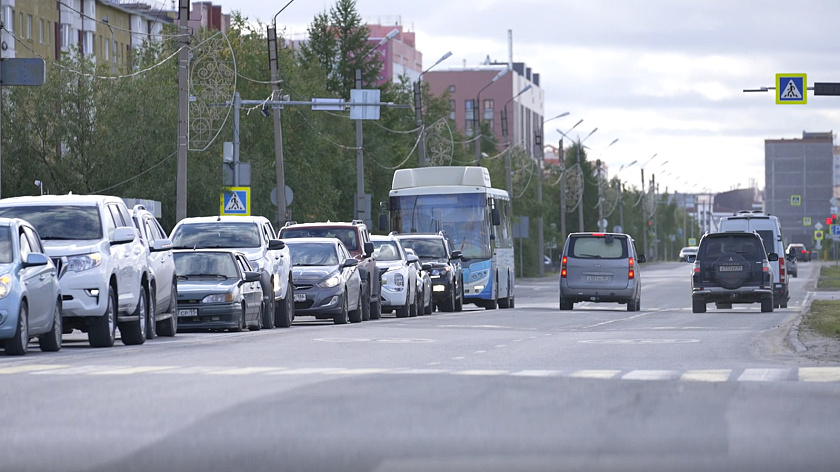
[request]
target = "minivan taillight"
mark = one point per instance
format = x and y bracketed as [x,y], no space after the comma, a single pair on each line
[563,268]
[782,269]
[631,270]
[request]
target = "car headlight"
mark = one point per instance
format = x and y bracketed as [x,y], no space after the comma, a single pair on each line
[220,298]
[255,264]
[439,272]
[5,285]
[330,282]
[84,262]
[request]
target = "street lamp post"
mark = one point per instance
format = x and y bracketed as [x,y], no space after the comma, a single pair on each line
[360,166]
[418,111]
[621,197]
[644,207]
[477,116]
[598,174]
[113,47]
[582,180]
[506,134]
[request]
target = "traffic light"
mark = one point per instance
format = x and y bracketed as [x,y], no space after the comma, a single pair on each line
[831,220]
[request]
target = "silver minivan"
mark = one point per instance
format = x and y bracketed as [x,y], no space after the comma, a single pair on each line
[600,267]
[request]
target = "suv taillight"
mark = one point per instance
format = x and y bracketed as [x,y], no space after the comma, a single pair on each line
[563,268]
[782,269]
[631,269]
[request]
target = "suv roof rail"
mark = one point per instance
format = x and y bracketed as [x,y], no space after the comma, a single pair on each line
[393,233]
[290,223]
[357,222]
[139,206]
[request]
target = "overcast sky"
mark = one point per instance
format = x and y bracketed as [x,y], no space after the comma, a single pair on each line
[665,77]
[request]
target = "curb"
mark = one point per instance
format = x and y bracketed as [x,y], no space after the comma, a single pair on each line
[793,334]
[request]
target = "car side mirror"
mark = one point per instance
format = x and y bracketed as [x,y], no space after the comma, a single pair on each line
[412,258]
[772,257]
[427,267]
[35,259]
[368,247]
[455,255]
[641,258]
[251,276]
[164,244]
[123,235]
[350,263]
[496,216]
[276,245]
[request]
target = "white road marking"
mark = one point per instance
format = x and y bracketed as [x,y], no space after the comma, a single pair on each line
[651,375]
[594,374]
[707,375]
[819,374]
[763,375]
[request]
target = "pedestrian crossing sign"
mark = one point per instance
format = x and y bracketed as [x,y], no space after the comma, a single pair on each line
[236,201]
[791,89]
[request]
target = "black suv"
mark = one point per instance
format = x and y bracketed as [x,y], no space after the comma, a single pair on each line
[447,278]
[732,267]
[356,239]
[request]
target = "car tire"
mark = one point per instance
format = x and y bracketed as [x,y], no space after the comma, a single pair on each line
[376,310]
[20,342]
[133,333]
[285,310]
[404,311]
[459,298]
[51,340]
[566,305]
[267,313]
[634,304]
[430,307]
[698,306]
[412,308]
[767,305]
[366,308]
[343,316]
[449,303]
[169,326]
[733,279]
[151,324]
[103,330]
[258,323]
[356,316]
[240,325]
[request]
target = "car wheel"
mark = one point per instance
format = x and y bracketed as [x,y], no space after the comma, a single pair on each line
[356,315]
[151,325]
[103,330]
[449,304]
[342,317]
[566,305]
[240,325]
[767,305]
[631,305]
[459,298]
[698,306]
[376,309]
[267,312]
[430,307]
[404,311]
[169,326]
[51,341]
[285,311]
[413,309]
[18,344]
[257,325]
[134,332]
[366,305]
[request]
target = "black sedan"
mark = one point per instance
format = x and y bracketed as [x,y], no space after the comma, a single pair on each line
[217,289]
[327,281]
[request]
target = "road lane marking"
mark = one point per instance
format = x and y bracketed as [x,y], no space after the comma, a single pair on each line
[537,373]
[763,375]
[707,375]
[480,372]
[133,370]
[651,375]
[246,371]
[30,368]
[819,374]
[594,374]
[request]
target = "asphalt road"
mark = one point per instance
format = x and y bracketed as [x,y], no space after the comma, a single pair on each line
[524,389]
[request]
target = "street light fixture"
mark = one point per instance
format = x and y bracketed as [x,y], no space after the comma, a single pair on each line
[477,116]
[360,166]
[418,111]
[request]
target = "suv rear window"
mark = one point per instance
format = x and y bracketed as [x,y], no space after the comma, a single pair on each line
[745,245]
[426,248]
[598,247]
[69,222]
[345,235]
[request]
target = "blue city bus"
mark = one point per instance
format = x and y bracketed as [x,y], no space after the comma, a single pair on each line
[461,203]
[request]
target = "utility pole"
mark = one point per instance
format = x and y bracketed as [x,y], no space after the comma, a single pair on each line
[281,215]
[360,163]
[183,109]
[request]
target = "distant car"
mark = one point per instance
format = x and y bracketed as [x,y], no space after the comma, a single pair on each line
[30,299]
[732,267]
[792,264]
[163,286]
[328,282]
[398,274]
[445,272]
[600,267]
[800,251]
[425,305]
[688,253]
[217,289]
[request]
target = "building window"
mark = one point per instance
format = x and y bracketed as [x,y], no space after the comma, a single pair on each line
[29,27]
[452,105]
[489,111]
[87,45]
[66,29]
[469,116]
[41,31]
[451,89]
[107,49]
[9,19]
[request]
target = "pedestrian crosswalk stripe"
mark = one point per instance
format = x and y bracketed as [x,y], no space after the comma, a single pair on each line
[819,374]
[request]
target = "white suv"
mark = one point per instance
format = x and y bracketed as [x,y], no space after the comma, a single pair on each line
[105,278]
[398,274]
[255,237]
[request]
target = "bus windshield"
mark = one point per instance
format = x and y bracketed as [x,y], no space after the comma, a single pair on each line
[464,217]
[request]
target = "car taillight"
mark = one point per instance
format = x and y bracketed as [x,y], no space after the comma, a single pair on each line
[631,270]
[781,270]
[563,268]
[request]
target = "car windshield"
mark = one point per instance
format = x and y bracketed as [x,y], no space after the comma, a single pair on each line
[5,245]
[216,234]
[426,248]
[313,254]
[72,222]
[345,235]
[386,251]
[205,264]
[598,247]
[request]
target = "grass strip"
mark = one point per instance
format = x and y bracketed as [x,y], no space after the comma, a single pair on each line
[824,318]
[829,278]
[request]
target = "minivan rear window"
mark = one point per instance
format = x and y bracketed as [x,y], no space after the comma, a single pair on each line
[713,247]
[598,247]
[767,239]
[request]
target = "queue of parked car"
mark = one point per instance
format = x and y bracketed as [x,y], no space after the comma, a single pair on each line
[89,263]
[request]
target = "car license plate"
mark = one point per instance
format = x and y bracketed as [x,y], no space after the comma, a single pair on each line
[300,297]
[188,312]
[597,278]
[731,268]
